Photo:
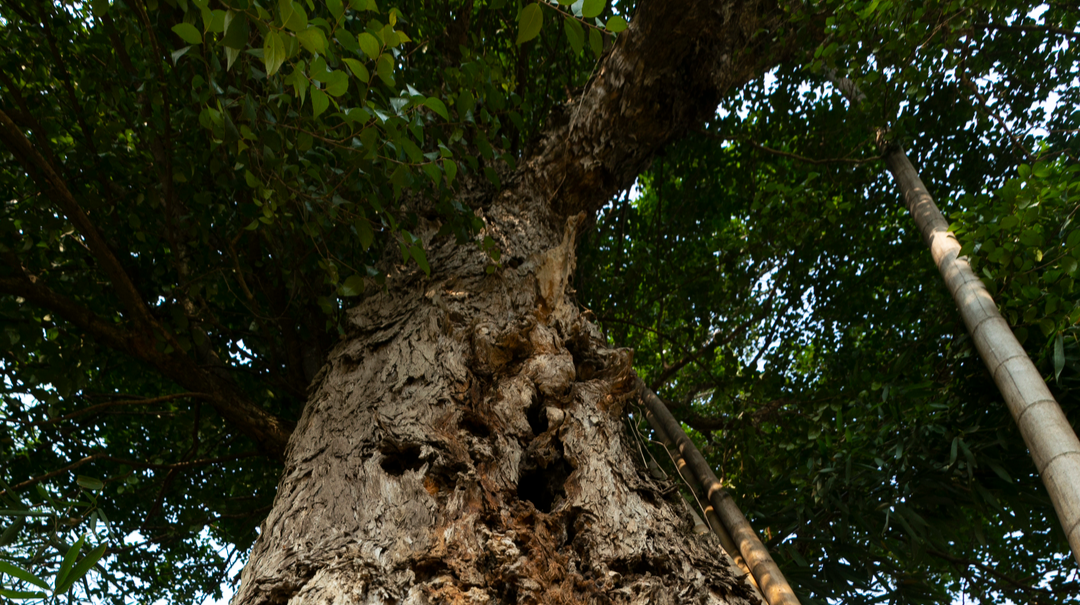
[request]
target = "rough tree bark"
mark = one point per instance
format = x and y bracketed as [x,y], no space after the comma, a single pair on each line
[465,442]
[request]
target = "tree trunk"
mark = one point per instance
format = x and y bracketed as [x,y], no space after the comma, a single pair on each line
[465,442]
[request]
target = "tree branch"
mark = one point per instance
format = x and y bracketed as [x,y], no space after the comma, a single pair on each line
[1030,28]
[268,431]
[994,116]
[788,154]
[986,568]
[53,185]
[663,77]
[128,402]
[716,342]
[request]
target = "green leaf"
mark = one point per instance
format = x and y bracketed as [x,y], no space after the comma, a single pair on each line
[617,24]
[465,103]
[298,20]
[358,70]
[385,68]
[273,52]
[390,37]
[1068,265]
[21,574]
[369,44]
[180,52]
[432,170]
[414,152]
[1059,355]
[1073,239]
[21,594]
[216,24]
[230,57]
[437,106]
[420,257]
[319,101]
[68,562]
[450,167]
[299,83]
[337,8]
[82,568]
[100,8]
[593,8]
[188,33]
[365,233]
[337,83]
[236,30]
[574,34]
[353,286]
[1001,472]
[312,40]
[89,483]
[596,42]
[11,532]
[530,21]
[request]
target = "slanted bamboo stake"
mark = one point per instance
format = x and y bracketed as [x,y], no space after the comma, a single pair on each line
[762,567]
[692,482]
[1049,437]
[1047,433]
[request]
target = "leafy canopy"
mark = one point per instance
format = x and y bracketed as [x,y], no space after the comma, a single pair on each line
[778,296]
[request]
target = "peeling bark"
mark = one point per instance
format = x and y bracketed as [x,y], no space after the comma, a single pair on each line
[465,443]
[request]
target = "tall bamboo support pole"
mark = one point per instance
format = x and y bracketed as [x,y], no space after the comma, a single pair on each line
[1049,437]
[769,579]
[1047,433]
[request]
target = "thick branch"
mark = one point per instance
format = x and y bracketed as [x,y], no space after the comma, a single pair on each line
[663,78]
[33,290]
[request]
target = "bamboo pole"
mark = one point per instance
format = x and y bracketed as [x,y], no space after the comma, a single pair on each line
[1049,437]
[1047,433]
[711,519]
[769,579]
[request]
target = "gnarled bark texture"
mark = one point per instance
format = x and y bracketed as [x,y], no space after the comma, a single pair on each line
[466,442]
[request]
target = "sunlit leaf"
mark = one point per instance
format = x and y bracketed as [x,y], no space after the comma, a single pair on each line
[530,21]
[273,52]
[593,8]
[369,44]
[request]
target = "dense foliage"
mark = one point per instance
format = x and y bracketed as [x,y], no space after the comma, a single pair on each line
[778,296]
[194,191]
